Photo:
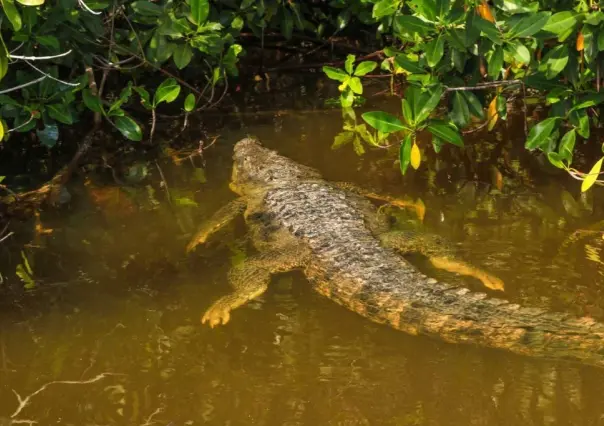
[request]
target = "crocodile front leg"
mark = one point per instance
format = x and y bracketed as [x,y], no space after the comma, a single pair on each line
[251,278]
[433,248]
[219,220]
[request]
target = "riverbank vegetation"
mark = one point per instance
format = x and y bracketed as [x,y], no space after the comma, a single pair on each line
[457,67]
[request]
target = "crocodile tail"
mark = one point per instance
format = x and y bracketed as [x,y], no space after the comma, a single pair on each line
[457,315]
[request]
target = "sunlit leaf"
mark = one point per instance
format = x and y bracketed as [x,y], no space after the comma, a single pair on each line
[12,14]
[384,122]
[435,50]
[407,64]
[446,132]
[529,25]
[364,67]
[146,8]
[413,25]
[200,10]
[31,2]
[335,73]
[384,8]
[567,145]
[129,128]
[356,85]
[495,63]
[580,43]
[430,104]
[404,153]
[540,133]
[562,24]
[415,156]
[3,59]
[167,91]
[492,115]
[554,61]
[484,11]
[190,102]
[592,176]
[349,64]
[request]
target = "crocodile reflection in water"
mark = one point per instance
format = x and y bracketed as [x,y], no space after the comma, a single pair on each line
[334,234]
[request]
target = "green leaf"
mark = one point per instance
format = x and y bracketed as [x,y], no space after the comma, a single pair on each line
[446,132]
[190,102]
[496,63]
[335,73]
[129,128]
[442,8]
[555,159]
[92,101]
[356,85]
[167,92]
[601,41]
[12,14]
[404,153]
[431,102]
[145,98]
[343,18]
[49,135]
[488,29]
[384,8]
[517,6]
[529,25]
[554,61]
[562,24]
[567,145]
[589,101]
[384,122]
[519,52]
[408,65]
[146,8]
[593,175]
[349,64]
[31,2]
[460,114]
[408,112]
[49,41]
[407,24]
[365,67]
[200,9]
[435,50]
[182,55]
[287,24]
[474,105]
[540,133]
[3,58]
[60,112]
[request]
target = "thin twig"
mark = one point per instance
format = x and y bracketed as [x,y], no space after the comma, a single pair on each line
[21,86]
[24,401]
[50,76]
[39,58]
[164,182]
[6,236]
[85,6]
[483,86]
[31,117]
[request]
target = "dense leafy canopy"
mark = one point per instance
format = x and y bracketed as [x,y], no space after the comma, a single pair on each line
[471,56]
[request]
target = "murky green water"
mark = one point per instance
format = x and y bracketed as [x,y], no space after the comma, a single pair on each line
[116,294]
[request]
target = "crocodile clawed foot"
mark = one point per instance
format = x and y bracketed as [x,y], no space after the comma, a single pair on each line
[218,313]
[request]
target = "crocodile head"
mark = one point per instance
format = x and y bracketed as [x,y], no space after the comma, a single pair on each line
[256,167]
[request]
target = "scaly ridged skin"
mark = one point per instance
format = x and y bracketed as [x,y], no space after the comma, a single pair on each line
[349,265]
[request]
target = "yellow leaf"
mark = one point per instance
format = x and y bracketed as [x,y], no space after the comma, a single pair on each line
[420,209]
[416,156]
[592,176]
[580,42]
[492,115]
[1,130]
[485,11]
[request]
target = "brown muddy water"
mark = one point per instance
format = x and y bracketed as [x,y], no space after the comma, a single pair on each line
[110,333]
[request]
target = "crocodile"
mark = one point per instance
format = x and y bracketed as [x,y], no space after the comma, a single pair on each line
[347,251]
